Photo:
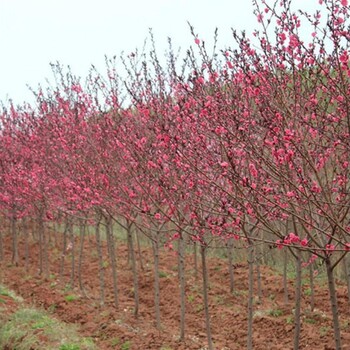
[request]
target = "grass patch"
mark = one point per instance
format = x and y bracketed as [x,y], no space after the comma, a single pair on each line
[275,312]
[9,293]
[126,345]
[32,329]
[163,274]
[70,298]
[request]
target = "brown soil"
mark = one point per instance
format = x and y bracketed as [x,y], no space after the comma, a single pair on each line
[273,327]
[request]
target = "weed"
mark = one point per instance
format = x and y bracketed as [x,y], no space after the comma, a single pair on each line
[191,298]
[70,297]
[310,320]
[308,291]
[52,308]
[324,331]
[69,347]
[275,312]
[115,341]
[219,300]
[290,320]
[126,345]
[163,274]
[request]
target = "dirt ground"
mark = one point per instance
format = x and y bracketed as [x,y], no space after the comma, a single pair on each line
[113,328]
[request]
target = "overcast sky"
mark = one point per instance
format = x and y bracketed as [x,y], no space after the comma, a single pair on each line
[79,33]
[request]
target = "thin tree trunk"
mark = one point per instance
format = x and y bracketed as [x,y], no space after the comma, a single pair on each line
[155,244]
[258,277]
[181,252]
[250,296]
[346,262]
[134,270]
[72,244]
[64,248]
[230,264]
[334,303]
[14,239]
[1,246]
[312,287]
[139,251]
[285,275]
[82,227]
[112,258]
[297,313]
[26,244]
[205,297]
[195,260]
[100,263]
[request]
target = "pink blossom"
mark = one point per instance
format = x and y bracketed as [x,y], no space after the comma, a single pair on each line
[253,170]
[329,248]
[294,238]
[279,244]
[197,41]
[229,64]
[304,242]
[157,216]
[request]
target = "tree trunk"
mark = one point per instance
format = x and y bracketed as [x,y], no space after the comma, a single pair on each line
[230,264]
[312,287]
[1,246]
[14,239]
[258,277]
[297,313]
[334,303]
[285,275]
[26,244]
[195,260]
[112,258]
[139,251]
[155,244]
[100,263]
[250,296]
[72,247]
[64,248]
[134,270]
[205,297]
[181,252]
[82,227]
[346,262]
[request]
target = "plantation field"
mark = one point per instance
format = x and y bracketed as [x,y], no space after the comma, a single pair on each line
[111,328]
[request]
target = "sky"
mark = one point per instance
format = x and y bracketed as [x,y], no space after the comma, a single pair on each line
[79,33]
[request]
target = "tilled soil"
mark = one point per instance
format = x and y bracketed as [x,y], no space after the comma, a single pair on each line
[111,327]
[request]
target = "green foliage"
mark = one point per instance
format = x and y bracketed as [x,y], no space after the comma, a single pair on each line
[69,347]
[115,341]
[126,345]
[70,297]
[163,274]
[275,312]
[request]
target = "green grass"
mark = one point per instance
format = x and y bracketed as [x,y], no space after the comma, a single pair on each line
[275,312]
[70,297]
[126,345]
[9,293]
[163,274]
[32,329]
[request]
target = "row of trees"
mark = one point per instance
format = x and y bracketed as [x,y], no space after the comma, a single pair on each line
[250,143]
